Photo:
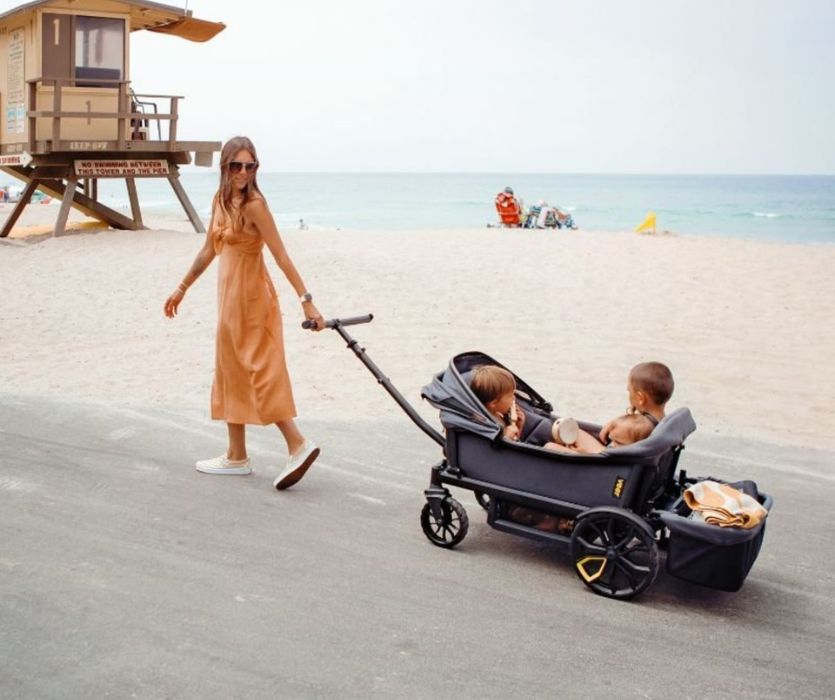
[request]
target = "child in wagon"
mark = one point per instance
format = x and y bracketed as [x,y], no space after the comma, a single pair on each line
[649,386]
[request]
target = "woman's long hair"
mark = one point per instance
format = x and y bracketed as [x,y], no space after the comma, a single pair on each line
[224,192]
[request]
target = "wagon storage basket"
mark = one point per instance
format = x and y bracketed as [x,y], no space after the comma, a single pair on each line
[713,556]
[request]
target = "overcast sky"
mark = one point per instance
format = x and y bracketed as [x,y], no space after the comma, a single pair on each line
[643,86]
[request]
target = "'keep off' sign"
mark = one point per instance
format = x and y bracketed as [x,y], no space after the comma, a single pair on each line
[121,168]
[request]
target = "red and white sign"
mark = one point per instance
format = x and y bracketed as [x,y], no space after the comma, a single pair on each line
[23,159]
[121,168]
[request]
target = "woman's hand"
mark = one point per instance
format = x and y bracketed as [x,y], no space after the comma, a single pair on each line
[311,313]
[173,302]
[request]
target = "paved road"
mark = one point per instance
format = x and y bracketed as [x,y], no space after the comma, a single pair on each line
[125,573]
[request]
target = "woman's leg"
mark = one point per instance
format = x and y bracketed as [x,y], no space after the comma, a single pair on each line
[237,441]
[292,436]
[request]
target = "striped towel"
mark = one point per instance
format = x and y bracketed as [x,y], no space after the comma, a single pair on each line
[722,505]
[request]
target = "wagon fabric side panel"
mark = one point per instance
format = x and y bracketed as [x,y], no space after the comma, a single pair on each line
[584,480]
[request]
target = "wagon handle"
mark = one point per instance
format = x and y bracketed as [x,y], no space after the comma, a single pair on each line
[337,322]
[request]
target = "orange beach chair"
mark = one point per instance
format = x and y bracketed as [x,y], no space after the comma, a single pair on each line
[510,213]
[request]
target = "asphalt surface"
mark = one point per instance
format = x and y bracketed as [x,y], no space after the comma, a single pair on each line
[125,573]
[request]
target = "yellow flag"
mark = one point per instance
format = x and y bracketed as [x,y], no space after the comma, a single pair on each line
[648,224]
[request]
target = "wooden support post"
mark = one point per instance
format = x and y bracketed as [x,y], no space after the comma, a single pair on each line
[134,202]
[56,120]
[18,210]
[121,101]
[33,122]
[172,125]
[66,203]
[174,179]
[90,207]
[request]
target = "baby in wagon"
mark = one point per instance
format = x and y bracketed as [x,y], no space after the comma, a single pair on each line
[650,385]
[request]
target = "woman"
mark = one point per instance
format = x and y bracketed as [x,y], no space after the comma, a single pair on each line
[251,383]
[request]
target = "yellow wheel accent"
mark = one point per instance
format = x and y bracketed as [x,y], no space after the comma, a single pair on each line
[589,577]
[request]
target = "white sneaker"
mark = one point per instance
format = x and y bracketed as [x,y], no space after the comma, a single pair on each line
[222,465]
[297,465]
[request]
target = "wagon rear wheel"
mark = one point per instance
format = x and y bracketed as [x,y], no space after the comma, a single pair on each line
[614,552]
[448,529]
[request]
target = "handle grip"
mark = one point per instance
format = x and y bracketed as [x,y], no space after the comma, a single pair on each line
[336,322]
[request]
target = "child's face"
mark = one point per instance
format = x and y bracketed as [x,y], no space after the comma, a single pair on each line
[502,404]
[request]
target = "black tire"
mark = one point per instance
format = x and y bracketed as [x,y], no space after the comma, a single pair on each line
[483,499]
[614,552]
[450,529]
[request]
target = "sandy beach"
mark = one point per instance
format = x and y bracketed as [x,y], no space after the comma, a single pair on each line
[748,328]
[125,565]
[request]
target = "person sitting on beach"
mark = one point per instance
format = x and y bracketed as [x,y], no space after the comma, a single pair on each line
[495,387]
[543,215]
[649,386]
[510,209]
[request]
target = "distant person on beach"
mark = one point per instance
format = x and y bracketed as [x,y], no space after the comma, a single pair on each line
[302,225]
[510,209]
[251,382]
[548,216]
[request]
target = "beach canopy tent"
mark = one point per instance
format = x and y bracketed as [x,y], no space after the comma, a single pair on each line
[69,115]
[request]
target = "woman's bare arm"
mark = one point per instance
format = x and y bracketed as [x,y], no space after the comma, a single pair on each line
[259,214]
[202,260]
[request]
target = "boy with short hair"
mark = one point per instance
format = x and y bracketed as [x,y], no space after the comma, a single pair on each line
[649,386]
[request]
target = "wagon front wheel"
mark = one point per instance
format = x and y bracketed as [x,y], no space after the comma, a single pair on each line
[448,529]
[614,552]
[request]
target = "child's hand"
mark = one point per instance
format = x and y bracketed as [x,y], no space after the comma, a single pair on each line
[604,431]
[517,418]
[512,433]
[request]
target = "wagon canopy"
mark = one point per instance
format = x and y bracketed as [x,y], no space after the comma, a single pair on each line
[450,393]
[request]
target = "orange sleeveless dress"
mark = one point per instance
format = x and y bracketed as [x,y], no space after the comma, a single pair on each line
[251,383]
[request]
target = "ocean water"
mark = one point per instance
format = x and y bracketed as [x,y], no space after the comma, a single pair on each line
[767,207]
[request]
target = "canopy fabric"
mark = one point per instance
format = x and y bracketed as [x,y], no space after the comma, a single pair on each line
[450,392]
[190,28]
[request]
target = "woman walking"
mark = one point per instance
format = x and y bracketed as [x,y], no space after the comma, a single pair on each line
[251,382]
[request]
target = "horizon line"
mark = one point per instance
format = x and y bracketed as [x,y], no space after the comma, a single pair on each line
[511,173]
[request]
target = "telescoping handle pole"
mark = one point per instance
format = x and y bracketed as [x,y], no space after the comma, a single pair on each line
[338,324]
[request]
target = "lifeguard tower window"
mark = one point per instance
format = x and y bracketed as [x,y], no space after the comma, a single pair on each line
[87,49]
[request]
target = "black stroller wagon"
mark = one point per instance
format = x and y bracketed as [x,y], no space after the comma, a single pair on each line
[619,507]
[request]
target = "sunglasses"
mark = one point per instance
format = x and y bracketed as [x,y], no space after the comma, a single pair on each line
[235,166]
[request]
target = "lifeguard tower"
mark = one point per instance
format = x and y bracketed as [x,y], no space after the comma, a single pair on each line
[68,114]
